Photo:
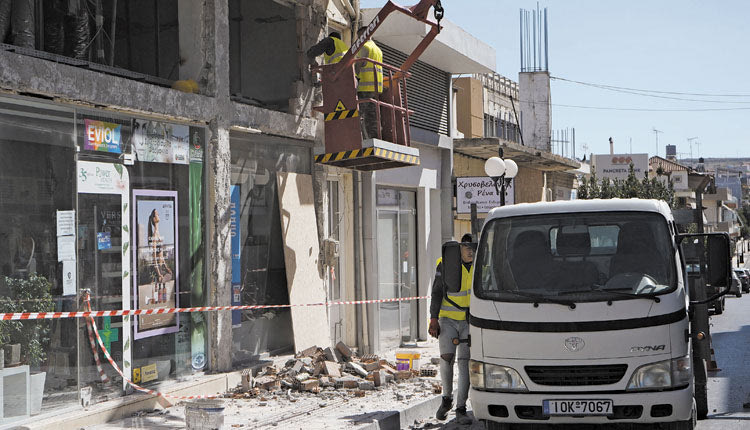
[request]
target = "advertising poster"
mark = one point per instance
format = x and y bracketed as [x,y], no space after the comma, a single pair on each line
[156,260]
[234,223]
[102,136]
[161,142]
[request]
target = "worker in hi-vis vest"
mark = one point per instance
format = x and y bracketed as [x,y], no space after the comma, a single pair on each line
[332,48]
[370,76]
[448,311]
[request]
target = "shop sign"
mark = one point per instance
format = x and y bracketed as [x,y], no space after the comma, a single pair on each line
[102,136]
[617,166]
[149,373]
[479,190]
[387,197]
[161,142]
[156,262]
[100,178]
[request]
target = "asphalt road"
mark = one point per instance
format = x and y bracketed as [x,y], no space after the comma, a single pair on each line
[729,388]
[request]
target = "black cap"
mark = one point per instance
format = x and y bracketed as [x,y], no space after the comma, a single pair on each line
[467,238]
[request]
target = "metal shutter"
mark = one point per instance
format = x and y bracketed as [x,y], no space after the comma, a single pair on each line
[427,90]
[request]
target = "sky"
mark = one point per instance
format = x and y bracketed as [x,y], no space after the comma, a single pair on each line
[686,47]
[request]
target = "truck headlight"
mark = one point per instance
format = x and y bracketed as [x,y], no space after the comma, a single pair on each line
[493,377]
[663,374]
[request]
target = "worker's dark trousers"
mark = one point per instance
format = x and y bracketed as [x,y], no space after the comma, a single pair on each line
[369,119]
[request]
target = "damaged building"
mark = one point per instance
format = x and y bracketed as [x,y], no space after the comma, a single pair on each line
[161,154]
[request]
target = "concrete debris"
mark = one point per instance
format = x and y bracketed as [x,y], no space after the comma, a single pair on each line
[331,373]
[344,350]
[357,369]
[373,365]
[365,385]
[330,356]
[428,371]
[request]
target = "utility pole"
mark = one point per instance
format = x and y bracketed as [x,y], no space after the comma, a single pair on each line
[690,142]
[656,133]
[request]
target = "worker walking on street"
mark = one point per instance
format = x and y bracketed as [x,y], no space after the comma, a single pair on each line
[370,86]
[332,48]
[448,323]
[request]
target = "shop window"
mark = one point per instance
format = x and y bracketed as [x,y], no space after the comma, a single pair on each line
[136,35]
[37,168]
[263,58]
[144,250]
[259,272]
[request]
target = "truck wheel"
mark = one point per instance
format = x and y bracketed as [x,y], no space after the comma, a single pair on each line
[700,376]
[739,293]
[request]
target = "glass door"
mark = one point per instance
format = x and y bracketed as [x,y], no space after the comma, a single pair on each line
[102,244]
[397,265]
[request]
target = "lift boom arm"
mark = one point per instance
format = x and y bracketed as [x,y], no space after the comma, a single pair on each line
[419,12]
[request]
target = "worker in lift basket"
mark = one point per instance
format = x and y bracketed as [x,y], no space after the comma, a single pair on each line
[370,76]
[448,323]
[332,48]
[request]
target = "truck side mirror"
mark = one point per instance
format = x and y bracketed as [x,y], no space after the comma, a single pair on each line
[719,261]
[708,254]
[452,265]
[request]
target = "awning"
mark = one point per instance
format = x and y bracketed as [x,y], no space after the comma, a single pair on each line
[486,147]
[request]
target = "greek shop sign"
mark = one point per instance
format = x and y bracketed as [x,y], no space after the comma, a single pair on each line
[479,190]
[102,136]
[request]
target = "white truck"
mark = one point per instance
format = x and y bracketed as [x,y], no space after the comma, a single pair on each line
[585,312]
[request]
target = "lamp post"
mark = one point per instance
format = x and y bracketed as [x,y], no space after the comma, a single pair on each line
[501,171]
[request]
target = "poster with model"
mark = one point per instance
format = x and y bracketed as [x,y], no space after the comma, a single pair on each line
[155,260]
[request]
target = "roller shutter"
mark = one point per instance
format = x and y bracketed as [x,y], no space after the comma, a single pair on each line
[428,90]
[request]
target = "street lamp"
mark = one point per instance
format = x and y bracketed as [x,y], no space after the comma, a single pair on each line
[502,171]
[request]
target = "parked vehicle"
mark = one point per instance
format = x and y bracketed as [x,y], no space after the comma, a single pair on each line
[579,315]
[744,279]
[736,287]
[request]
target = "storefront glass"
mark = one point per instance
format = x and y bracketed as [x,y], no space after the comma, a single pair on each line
[108,207]
[37,150]
[258,268]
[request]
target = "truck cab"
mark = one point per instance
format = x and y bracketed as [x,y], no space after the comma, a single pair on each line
[580,315]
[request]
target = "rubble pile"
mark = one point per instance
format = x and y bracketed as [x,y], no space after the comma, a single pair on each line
[316,369]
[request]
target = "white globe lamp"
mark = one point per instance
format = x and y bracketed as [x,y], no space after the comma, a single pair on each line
[494,167]
[511,168]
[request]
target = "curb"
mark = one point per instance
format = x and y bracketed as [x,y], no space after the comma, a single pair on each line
[394,420]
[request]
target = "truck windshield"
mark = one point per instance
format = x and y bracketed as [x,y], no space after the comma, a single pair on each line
[593,256]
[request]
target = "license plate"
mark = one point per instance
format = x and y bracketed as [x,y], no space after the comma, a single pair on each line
[577,407]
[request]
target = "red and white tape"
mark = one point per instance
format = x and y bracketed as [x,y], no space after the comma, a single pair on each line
[114,365]
[123,312]
[91,326]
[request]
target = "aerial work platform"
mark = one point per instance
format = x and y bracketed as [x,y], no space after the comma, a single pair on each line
[375,154]
[342,108]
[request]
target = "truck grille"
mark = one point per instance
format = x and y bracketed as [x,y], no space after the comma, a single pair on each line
[576,375]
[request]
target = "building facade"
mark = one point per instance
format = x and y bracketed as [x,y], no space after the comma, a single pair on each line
[162,157]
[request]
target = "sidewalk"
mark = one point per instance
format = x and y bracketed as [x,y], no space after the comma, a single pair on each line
[408,404]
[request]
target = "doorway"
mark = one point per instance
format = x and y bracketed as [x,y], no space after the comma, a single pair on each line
[335,313]
[397,265]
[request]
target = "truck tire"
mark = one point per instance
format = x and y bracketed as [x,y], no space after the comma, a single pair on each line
[739,293]
[700,377]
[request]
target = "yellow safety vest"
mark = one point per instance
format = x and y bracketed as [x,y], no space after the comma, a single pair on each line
[461,297]
[371,75]
[338,53]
